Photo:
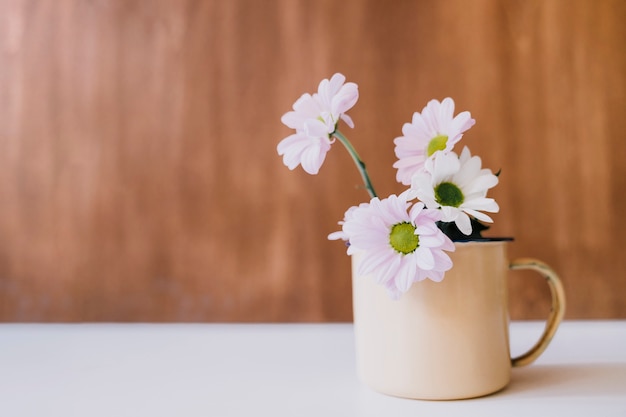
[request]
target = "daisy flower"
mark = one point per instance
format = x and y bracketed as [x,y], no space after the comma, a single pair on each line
[315,118]
[434,129]
[458,186]
[399,241]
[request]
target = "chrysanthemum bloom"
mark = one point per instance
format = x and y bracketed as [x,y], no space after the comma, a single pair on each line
[315,118]
[434,129]
[399,241]
[458,186]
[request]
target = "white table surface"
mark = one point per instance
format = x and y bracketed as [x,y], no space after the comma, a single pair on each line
[279,370]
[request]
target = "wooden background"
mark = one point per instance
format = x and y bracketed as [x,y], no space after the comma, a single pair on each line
[139,179]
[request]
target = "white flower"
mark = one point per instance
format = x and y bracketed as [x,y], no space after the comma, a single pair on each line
[435,129]
[400,242]
[315,118]
[458,186]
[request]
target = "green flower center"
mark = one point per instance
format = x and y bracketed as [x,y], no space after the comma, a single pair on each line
[448,194]
[403,238]
[438,143]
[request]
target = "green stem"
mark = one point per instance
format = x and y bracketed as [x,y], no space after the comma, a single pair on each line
[357,160]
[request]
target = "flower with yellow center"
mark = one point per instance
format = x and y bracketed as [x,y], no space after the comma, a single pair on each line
[434,129]
[399,242]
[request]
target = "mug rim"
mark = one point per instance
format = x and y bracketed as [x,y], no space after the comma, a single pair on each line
[485,239]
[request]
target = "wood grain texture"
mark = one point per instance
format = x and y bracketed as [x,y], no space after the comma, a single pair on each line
[139,179]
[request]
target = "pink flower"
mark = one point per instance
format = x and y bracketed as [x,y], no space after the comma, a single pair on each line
[435,129]
[400,243]
[315,118]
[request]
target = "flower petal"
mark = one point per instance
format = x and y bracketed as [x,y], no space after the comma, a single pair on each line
[464,224]
[445,166]
[345,98]
[424,258]
[480,216]
[405,274]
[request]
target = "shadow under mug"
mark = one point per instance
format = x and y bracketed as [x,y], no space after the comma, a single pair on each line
[446,340]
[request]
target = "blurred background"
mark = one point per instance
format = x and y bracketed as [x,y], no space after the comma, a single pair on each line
[139,179]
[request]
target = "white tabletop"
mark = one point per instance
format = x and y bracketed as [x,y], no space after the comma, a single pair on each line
[279,370]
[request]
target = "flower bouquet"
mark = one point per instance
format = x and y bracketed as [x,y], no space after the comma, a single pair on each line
[444,339]
[402,238]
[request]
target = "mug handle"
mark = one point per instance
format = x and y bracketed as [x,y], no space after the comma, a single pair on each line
[556,312]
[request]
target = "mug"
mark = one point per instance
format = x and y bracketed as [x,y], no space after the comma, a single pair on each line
[446,340]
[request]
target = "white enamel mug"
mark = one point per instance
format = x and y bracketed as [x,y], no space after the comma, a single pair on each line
[446,340]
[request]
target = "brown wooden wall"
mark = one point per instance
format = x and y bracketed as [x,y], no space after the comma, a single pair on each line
[139,178]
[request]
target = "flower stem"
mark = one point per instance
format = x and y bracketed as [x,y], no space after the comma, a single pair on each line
[357,160]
